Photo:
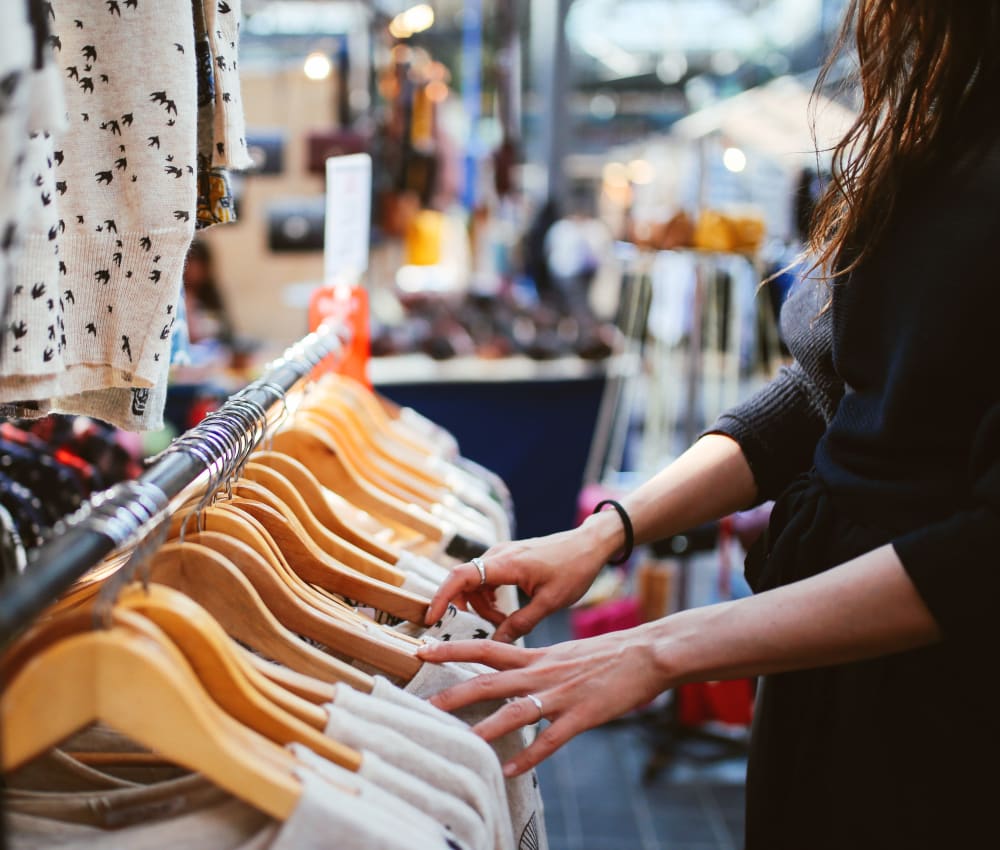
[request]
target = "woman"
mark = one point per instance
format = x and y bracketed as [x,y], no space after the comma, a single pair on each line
[876,581]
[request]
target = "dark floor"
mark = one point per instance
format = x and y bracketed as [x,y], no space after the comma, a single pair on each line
[595,797]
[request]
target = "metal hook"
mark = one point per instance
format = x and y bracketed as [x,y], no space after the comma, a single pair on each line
[189,446]
[280,396]
[255,430]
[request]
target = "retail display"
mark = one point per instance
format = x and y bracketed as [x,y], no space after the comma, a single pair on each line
[493,326]
[272,648]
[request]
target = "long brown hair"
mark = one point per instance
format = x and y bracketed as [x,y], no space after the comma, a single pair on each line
[929,78]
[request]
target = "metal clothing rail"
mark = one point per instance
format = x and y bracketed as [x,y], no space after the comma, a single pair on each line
[122,516]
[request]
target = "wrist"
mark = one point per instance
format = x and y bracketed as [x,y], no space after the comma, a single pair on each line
[604,533]
[685,644]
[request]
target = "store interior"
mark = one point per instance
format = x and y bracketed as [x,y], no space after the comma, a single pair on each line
[466,269]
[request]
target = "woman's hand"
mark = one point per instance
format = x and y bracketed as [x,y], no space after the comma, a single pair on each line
[862,609]
[555,571]
[711,479]
[581,684]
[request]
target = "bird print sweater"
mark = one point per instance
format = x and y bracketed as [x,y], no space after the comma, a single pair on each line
[31,101]
[110,214]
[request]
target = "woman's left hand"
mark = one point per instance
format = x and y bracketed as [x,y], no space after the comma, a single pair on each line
[581,684]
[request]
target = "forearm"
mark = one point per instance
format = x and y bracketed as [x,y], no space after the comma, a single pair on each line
[862,609]
[710,480]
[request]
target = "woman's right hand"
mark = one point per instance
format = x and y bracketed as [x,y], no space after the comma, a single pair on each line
[555,571]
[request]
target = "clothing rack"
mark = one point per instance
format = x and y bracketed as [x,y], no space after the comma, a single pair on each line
[125,514]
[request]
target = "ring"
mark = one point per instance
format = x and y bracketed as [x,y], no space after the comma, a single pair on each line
[480,565]
[538,705]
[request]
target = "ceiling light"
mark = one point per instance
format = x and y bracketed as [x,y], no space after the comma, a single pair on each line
[317,66]
[734,159]
[415,19]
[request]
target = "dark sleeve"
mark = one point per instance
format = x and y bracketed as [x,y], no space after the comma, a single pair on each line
[778,429]
[953,563]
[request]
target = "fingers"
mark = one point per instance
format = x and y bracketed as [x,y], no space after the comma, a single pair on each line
[499,656]
[523,712]
[464,579]
[483,605]
[522,621]
[513,715]
[550,739]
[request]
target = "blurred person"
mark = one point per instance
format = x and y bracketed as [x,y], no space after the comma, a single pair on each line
[207,316]
[871,622]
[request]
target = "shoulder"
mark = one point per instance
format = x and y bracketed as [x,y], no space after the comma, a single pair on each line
[968,182]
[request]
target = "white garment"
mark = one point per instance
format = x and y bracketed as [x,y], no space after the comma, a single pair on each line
[413,583]
[408,755]
[453,625]
[190,812]
[380,797]
[462,821]
[526,810]
[423,567]
[457,741]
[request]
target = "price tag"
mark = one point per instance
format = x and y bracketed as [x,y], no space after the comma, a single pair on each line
[348,218]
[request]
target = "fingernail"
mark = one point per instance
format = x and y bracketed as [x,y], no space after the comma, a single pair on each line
[509,769]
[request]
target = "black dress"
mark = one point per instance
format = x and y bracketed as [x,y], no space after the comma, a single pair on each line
[887,430]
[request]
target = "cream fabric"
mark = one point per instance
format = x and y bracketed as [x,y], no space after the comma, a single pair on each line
[438,769]
[423,567]
[111,213]
[457,741]
[414,583]
[224,21]
[191,812]
[381,797]
[523,796]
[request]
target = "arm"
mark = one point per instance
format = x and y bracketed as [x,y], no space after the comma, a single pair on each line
[709,480]
[861,609]
[753,452]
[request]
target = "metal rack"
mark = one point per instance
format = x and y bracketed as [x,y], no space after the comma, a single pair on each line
[118,518]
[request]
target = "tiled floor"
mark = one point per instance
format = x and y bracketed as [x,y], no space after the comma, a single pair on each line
[595,797]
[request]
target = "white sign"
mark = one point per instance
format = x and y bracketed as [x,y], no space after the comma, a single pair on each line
[348,217]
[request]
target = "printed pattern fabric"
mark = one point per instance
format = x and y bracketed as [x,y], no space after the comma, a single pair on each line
[223,19]
[30,102]
[215,196]
[110,214]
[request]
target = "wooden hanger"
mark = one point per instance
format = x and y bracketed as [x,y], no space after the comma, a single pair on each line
[123,677]
[307,687]
[332,543]
[371,424]
[233,684]
[310,445]
[309,620]
[394,476]
[234,523]
[227,594]
[312,493]
[355,418]
[379,410]
[315,566]
[380,465]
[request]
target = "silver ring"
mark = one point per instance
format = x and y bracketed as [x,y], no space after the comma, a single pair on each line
[538,705]
[480,565]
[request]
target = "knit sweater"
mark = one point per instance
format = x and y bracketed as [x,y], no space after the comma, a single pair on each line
[894,399]
[112,214]
[30,102]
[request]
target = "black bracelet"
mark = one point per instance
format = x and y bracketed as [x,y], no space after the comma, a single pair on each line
[629,532]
